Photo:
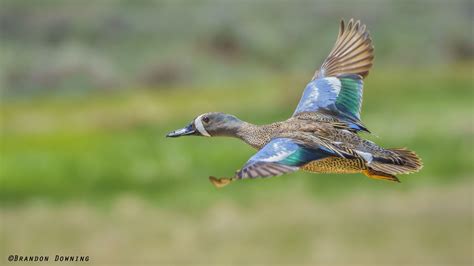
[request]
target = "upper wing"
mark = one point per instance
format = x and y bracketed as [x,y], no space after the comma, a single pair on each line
[338,86]
[280,156]
[341,96]
[353,52]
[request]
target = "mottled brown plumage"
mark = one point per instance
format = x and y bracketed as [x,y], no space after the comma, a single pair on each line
[334,135]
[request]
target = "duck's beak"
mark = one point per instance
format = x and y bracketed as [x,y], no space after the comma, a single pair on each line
[188,130]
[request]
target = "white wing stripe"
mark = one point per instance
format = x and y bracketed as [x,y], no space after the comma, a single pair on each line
[335,85]
[278,156]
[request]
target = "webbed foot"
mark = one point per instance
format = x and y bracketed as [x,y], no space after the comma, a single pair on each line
[220,182]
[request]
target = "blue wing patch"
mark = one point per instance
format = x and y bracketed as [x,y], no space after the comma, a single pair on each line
[319,93]
[342,95]
[279,156]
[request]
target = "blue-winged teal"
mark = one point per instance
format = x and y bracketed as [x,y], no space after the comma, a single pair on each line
[322,135]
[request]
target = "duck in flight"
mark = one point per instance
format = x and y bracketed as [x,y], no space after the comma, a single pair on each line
[322,135]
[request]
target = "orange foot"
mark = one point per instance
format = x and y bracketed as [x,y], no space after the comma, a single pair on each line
[380,175]
[220,182]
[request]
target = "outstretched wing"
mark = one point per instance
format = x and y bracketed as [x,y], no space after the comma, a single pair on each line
[338,86]
[280,156]
[353,52]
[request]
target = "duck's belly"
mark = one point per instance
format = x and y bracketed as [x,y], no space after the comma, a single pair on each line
[335,165]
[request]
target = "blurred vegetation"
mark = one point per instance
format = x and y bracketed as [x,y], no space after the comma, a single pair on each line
[88,92]
[110,144]
[68,47]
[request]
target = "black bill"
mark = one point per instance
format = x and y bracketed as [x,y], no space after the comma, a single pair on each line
[189,130]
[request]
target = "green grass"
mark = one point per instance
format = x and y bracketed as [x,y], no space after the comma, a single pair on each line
[103,145]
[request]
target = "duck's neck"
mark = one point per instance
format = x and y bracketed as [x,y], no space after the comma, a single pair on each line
[254,135]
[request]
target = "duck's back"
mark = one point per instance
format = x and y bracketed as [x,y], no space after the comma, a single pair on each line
[358,155]
[338,134]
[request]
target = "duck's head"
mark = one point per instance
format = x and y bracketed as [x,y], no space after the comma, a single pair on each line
[209,125]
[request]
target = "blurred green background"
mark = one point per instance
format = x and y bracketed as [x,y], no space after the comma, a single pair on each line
[89,90]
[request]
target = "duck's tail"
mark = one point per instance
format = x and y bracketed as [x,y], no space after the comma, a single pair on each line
[400,161]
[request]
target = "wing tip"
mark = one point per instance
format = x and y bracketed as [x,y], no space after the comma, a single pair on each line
[353,45]
[341,28]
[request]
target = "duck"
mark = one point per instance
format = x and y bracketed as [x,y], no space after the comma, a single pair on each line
[324,133]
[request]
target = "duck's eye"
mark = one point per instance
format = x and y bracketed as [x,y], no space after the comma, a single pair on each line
[205,119]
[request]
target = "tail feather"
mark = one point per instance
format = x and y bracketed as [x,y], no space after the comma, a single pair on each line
[399,161]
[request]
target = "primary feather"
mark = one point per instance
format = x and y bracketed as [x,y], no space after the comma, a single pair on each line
[353,52]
